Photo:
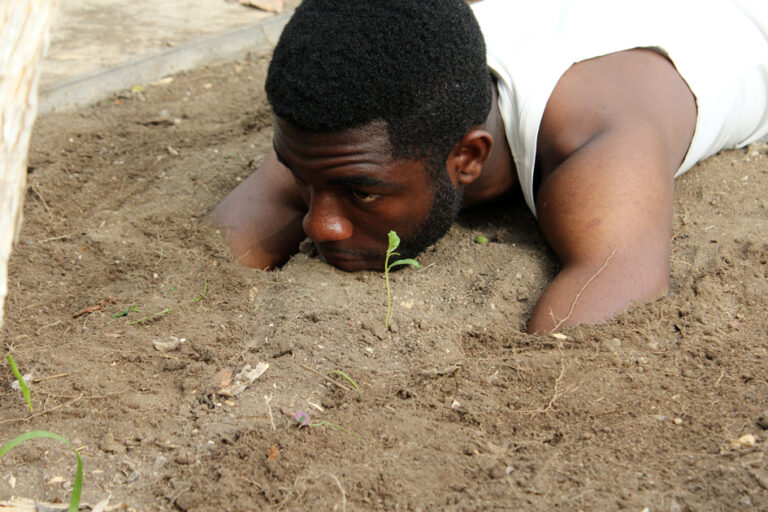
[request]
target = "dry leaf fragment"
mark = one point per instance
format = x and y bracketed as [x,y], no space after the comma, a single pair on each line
[275,6]
[101,506]
[243,379]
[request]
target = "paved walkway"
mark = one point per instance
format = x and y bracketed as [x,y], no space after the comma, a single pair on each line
[100,46]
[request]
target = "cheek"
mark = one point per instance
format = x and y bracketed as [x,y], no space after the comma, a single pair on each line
[404,216]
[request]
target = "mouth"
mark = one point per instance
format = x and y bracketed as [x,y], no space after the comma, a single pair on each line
[349,262]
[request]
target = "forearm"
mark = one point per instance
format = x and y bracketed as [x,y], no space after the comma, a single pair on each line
[261,218]
[595,293]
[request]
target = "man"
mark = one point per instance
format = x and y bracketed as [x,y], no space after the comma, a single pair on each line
[395,114]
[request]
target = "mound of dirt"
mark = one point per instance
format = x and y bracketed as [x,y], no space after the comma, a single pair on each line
[135,324]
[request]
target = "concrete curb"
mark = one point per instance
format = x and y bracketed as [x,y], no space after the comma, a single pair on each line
[86,89]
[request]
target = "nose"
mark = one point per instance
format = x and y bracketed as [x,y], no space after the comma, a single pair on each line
[325,220]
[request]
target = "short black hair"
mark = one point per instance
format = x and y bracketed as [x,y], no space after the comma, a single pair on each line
[418,65]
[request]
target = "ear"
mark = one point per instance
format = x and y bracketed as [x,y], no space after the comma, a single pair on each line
[466,161]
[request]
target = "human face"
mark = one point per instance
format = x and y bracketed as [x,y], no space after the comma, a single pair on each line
[356,193]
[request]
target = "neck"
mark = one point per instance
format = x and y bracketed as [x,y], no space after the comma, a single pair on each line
[499,175]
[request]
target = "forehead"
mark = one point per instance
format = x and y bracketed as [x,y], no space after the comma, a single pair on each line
[366,143]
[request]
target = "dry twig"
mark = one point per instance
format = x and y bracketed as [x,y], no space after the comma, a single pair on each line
[12,420]
[268,399]
[343,492]
[332,381]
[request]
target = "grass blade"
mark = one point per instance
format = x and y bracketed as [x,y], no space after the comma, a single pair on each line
[202,295]
[347,377]
[337,427]
[77,487]
[164,312]
[20,379]
[126,311]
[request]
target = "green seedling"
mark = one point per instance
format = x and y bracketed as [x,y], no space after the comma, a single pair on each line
[126,311]
[337,427]
[346,377]
[394,243]
[302,420]
[164,312]
[202,295]
[77,488]
[482,240]
[20,379]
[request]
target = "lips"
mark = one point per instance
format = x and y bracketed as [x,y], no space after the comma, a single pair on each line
[348,262]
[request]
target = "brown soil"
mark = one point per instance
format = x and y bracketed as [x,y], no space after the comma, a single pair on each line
[457,409]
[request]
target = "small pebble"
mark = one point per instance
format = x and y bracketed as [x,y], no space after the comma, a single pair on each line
[762,420]
[744,440]
[172,343]
[497,471]
[109,444]
[611,345]
[378,330]
[182,458]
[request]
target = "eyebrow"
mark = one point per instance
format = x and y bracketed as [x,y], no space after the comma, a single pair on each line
[359,181]
[344,181]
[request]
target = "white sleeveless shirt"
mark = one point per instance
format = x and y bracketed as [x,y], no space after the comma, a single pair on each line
[719,47]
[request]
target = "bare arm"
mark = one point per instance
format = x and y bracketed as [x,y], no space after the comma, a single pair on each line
[615,130]
[261,217]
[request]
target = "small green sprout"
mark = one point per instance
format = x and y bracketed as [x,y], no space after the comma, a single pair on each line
[394,242]
[302,419]
[202,295]
[126,311]
[482,240]
[164,312]
[20,379]
[346,377]
[77,488]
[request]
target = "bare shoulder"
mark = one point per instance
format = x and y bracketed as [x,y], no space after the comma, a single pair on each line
[634,90]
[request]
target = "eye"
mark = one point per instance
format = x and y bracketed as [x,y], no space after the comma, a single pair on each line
[364,197]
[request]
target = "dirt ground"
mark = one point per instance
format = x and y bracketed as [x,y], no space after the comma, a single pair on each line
[457,409]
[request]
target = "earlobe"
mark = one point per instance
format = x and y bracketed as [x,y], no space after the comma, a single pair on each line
[466,161]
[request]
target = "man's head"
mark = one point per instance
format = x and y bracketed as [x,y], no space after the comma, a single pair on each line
[411,72]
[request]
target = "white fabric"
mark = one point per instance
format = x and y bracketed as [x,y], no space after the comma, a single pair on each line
[720,48]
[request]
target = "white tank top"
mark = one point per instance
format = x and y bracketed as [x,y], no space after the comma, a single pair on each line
[719,47]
